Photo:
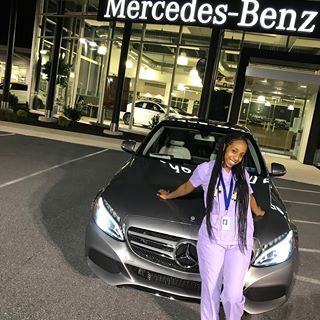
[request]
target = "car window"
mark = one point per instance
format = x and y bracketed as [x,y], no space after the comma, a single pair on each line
[139,104]
[193,146]
[153,107]
[19,86]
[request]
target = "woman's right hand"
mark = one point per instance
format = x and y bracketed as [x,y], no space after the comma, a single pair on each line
[163,194]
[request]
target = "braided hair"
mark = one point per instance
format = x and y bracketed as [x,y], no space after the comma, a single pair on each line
[241,187]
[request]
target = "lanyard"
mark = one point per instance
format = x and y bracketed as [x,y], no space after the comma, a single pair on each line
[227,197]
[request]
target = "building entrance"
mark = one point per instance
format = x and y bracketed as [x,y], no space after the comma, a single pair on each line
[277,106]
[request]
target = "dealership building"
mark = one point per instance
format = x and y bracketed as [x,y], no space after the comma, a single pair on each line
[251,62]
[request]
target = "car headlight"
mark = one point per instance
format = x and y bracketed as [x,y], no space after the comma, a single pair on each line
[276,251]
[107,219]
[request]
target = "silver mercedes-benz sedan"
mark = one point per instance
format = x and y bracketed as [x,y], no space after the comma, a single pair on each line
[136,239]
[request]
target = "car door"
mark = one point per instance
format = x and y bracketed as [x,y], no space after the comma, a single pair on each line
[139,112]
[153,110]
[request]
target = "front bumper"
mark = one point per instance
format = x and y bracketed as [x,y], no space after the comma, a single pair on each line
[115,263]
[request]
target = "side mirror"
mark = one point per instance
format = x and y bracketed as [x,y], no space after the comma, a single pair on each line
[277,170]
[128,146]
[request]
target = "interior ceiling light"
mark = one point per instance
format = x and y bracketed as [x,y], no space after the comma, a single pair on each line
[264,81]
[102,50]
[291,107]
[181,87]
[261,99]
[183,59]
[93,44]
[303,86]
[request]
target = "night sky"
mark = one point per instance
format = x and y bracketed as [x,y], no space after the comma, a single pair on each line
[25,21]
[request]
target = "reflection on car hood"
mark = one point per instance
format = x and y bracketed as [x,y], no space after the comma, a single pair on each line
[133,191]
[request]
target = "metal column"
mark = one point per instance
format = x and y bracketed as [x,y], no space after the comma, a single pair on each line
[210,73]
[54,65]
[11,39]
[121,75]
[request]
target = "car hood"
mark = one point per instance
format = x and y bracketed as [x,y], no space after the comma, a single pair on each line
[133,192]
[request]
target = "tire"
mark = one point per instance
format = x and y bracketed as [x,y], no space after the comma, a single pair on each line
[126,118]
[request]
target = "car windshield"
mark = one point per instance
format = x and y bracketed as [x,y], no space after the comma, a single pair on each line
[193,146]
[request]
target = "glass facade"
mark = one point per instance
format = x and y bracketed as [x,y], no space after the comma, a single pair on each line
[166,64]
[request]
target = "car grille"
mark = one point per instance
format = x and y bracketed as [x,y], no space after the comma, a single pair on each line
[159,248]
[157,278]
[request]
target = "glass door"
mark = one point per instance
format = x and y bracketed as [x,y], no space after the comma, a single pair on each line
[274,110]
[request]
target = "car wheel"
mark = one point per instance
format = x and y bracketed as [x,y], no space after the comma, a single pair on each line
[126,118]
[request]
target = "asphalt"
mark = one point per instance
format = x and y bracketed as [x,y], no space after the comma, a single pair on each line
[296,171]
[46,187]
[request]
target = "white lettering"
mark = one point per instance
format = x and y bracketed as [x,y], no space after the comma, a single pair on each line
[174,167]
[283,15]
[186,170]
[154,10]
[246,12]
[310,17]
[173,7]
[268,14]
[145,5]
[133,9]
[115,9]
[188,6]
[205,10]
[253,179]
[220,11]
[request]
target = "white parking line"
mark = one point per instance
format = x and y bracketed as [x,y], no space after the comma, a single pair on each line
[304,203]
[306,279]
[6,134]
[50,169]
[309,250]
[308,222]
[302,190]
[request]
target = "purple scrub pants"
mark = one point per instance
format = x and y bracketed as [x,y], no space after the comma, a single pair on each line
[221,264]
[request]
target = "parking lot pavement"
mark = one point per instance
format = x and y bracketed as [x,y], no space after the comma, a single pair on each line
[46,188]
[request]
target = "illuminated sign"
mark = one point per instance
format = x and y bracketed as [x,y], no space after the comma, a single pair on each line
[299,17]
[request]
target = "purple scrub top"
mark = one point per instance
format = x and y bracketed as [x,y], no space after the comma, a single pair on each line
[201,177]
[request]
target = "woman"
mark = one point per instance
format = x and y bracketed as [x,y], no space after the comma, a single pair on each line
[226,233]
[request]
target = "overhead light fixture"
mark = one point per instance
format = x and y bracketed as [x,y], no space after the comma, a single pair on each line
[147,73]
[102,50]
[291,107]
[303,86]
[261,99]
[264,81]
[93,44]
[183,59]
[181,87]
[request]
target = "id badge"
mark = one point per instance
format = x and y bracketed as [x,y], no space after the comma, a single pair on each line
[225,223]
